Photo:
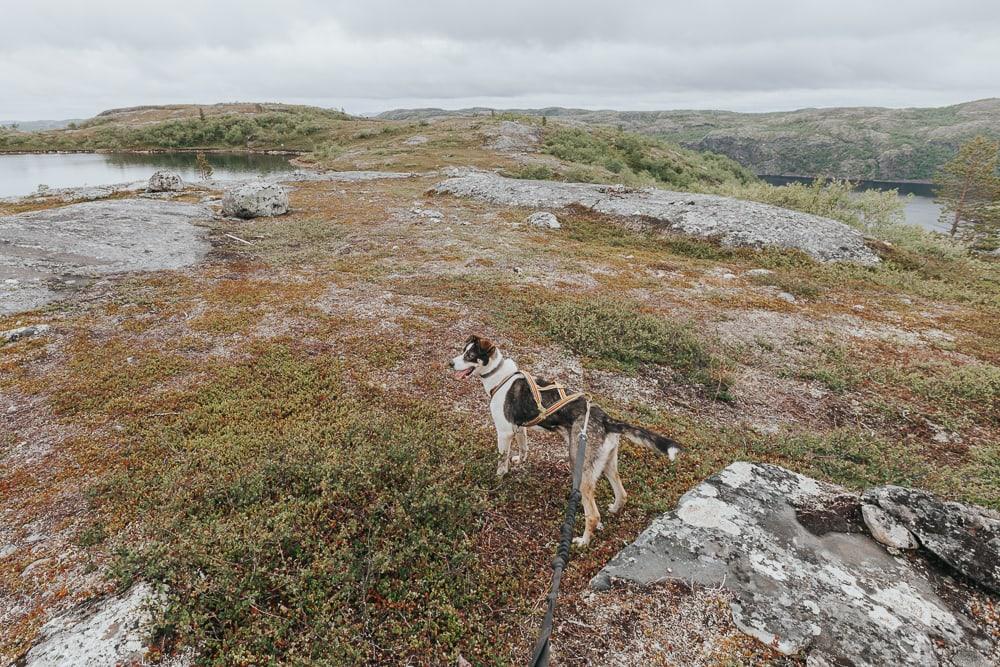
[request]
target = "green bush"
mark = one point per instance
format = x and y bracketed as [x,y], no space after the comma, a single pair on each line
[617,334]
[633,155]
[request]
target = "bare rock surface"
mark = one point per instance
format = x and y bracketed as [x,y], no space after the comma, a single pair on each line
[44,253]
[109,631]
[733,221]
[512,137]
[964,536]
[806,577]
[255,199]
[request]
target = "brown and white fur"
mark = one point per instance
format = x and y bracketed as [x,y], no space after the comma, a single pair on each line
[513,405]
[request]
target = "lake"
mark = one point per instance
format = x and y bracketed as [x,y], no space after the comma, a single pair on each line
[22,174]
[919,207]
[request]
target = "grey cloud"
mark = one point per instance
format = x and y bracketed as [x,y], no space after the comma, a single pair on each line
[62,58]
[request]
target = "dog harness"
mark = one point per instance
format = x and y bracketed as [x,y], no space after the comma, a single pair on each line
[536,392]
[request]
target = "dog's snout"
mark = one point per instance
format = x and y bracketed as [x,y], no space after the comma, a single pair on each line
[451,364]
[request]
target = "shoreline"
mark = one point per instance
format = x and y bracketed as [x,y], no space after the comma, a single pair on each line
[152,151]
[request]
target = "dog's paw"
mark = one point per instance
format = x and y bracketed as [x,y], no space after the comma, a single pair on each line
[599,526]
[582,541]
[515,459]
[502,469]
[614,509]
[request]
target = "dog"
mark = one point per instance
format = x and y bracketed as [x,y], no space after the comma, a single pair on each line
[513,406]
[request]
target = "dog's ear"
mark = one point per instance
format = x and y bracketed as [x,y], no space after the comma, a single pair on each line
[486,346]
[470,340]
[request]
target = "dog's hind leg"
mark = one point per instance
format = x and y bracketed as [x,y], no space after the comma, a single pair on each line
[521,436]
[504,441]
[611,472]
[592,516]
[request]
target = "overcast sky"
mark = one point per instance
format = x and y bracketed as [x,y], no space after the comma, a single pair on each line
[62,58]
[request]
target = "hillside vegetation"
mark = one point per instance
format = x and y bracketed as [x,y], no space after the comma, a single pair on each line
[272,434]
[222,126]
[858,143]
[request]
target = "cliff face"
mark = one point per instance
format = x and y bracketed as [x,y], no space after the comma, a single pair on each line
[861,142]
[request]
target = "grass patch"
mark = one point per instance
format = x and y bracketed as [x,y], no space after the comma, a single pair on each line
[614,333]
[295,523]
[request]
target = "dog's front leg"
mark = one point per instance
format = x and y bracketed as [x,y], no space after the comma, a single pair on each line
[504,441]
[521,435]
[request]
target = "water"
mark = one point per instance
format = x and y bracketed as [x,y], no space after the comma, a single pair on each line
[919,207]
[22,174]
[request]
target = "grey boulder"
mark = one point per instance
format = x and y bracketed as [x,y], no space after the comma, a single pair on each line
[544,219]
[964,536]
[165,181]
[255,200]
[805,576]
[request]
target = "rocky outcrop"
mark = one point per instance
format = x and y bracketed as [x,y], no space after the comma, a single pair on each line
[108,631]
[165,181]
[964,536]
[45,254]
[512,137]
[806,577]
[255,200]
[733,222]
[12,335]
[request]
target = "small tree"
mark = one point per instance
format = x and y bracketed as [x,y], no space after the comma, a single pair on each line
[201,114]
[969,189]
[204,168]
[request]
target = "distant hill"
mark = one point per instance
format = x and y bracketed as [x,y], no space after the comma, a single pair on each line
[849,142]
[237,125]
[40,125]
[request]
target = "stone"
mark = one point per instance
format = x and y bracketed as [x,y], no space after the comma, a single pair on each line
[734,222]
[786,296]
[416,140]
[758,273]
[964,536]
[543,219]
[255,200]
[429,213]
[806,577]
[165,181]
[11,335]
[886,530]
[105,631]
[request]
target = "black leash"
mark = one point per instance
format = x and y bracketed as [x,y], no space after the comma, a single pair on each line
[540,656]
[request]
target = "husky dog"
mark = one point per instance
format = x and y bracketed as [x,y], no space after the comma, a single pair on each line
[513,408]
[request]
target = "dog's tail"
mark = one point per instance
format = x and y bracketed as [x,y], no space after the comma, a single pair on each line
[646,438]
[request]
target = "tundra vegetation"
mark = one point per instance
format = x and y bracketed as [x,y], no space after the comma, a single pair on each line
[272,434]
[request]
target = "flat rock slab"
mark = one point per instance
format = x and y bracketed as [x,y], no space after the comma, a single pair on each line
[109,631]
[733,221]
[44,252]
[806,577]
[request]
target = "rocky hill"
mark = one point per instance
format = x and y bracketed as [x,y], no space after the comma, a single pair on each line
[851,142]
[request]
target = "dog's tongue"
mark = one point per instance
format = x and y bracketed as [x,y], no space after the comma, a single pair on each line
[461,375]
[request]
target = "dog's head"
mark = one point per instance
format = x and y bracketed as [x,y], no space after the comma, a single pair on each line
[475,357]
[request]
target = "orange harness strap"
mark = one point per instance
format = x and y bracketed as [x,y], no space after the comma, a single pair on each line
[536,392]
[545,412]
